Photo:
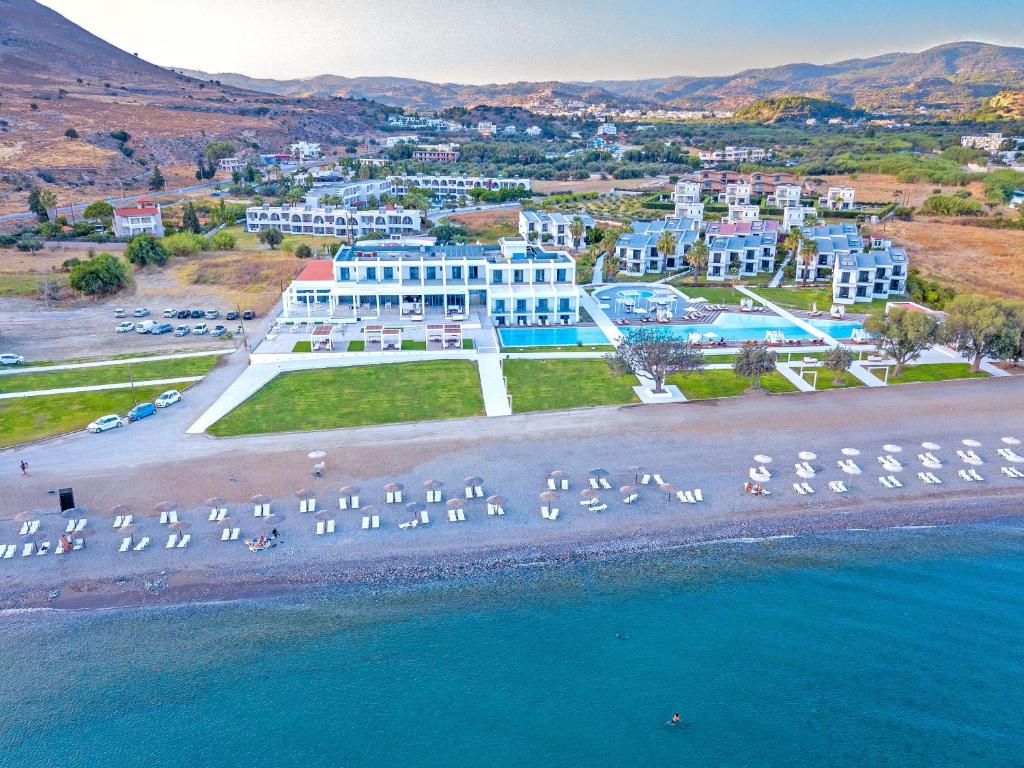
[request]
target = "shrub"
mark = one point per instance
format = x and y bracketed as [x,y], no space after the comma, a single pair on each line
[120,134]
[951,205]
[68,264]
[303,251]
[145,249]
[30,244]
[71,133]
[101,274]
[222,241]
[185,244]
[7,240]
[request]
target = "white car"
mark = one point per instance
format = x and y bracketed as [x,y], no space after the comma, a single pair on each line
[170,313]
[125,327]
[200,329]
[104,423]
[141,312]
[11,359]
[170,397]
[181,330]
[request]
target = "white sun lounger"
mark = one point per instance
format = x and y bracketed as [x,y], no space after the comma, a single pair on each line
[118,521]
[964,476]
[389,497]
[7,552]
[452,516]
[375,521]
[799,489]
[631,499]
[587,502]
[28,549]
[599,508]
[553,515]
[234,533]
[469,492]
[460,515]
[658,480]
[551,484]
[409,524]
[807,487]
[545,512]
[565,484]
[184,540]
[895,482]
[225,535]
[366,523]
[1013,472]
[163,518]
[126,544]
[424,518]
[698,494]
[42,548]
[143,543]
[923,476]
[70,526]
[645,480]
[934,479]
[603,482]
[320,527]
[885,482]
[593,484]
[172,541]
[974,475]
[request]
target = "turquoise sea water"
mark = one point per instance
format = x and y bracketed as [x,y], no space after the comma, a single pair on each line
[896,648]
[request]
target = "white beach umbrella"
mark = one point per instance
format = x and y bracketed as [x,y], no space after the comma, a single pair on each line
[763,459]
[1010,440]
[850,452]
[970,443]
[931,446]
[890,448]
[807,456]
[851,469]
[316,454]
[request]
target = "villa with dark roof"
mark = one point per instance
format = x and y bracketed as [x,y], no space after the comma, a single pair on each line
[880,273]
[637,251]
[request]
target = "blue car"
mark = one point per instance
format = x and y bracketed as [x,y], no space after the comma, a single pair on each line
[141,411]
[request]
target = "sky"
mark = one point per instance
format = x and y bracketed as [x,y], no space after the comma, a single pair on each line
[485,41]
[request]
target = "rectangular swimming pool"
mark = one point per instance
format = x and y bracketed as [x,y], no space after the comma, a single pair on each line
[566,336]
[736,327]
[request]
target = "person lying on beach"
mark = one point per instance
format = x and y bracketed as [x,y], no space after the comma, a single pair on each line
[748,487]
[65,544]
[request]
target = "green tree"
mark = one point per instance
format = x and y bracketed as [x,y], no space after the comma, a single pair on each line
[156,181]
[902,335]
[448,233]
[217,150]
[666,245]
[978,327]
[576,229]
[303,251]
[40,201]
[697,257]
[223,241]
[656,354]
[185,243]
[71,133]
[100,210]
[144,249]
[806,254]
[838,360]
[754,362]
[271,237]
[103,273]
[190,219]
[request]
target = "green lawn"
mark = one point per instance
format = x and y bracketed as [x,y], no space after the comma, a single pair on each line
[26,419]
[26,283]
[332,398]
[563,348]
[302,346]
[806,297]
[725,383]
[825,379]
[552,385]
[408,345]
[714,294]
[250,241]
[109,374]
[936,372]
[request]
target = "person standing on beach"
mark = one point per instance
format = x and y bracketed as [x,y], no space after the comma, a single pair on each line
[24,468]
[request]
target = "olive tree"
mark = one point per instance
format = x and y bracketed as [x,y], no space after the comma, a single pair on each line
[902,334]
[754,362]
[838,360]
[656,354]
[978,327]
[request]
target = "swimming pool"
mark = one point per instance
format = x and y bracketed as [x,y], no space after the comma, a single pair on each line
[736,327]
[551,337]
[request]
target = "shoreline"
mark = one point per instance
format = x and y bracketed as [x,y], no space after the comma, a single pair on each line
[281,577]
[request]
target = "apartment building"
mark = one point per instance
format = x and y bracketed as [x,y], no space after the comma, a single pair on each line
[832,242]
[230,164]
[554,228]
[734,155]
[687,199]
[881,273]
[637,251]
[607,129]
[837,199]
[741,249]
[739,213]
[736,193]
[437,153]
[514,282]
[312,217]
[446,188]
[305,150]
[714,182]
[786,196]
[486,128]
[141,217]
[797,216]
[765,184]
[990,142]
[393,141]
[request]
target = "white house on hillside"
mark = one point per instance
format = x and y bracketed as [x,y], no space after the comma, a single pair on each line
[744,213]
[837,199]
[687,198]
[555,228]
[797,216]
[786,196]
[735,194]
[142,217]
[878,274]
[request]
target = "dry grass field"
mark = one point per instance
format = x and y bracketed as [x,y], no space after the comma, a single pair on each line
[488,226]
[878,188]
[970,259]
[252,279]
[599,185]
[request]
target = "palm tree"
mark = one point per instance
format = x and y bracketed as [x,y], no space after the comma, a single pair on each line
[576,229]
[806,254]
[697,257]
[666,245]
[792,243]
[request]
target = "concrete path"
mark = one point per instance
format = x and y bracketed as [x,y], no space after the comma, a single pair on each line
[777,280]
[610,330]
[98,387]
[492,384]
[799,322]
[794,378]
[597,278]
[12,370]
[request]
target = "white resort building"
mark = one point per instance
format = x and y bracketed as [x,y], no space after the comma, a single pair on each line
[446,188]
[877,274]
[735,194]
[142,217]
[786,196]
[311,217]
[797,216]
[555,228]
[513,283]
[742,249]
[687,198]
[837,199]
[832,241]
[637,251]
[744,213]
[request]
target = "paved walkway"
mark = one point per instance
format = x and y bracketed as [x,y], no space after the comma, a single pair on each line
[610,330]
[777,280]
[799,322]
[597,278]
[98,387]
[492,384]
[10,371]
[794,378]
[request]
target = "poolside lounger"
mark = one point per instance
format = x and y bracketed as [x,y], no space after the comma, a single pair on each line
[24,529]
[234,533]
[604,483]
[452,517]
[885,482]
[690,498]
[479,491]
[303,506]
[172,541]
[163,518]
[126,543]
[974,475]
[681,495]
[631,499]
[593,484]
[924,477]
[343,503]
[799,488]
[222,513]
[9,551]
[375,521]
[184,540]
[490,508]
[658,480]
[433,497]
[469,492]
[330,526]
[551,484]
[257,510]
[587,502]
[410,524]
[70,527]
[42,548]
[320,527]
[599,508]
[934,479]
[389,497]
[27,549]
[118,521]
[143,543]
[565,484]
[698,494]
[645,480]
[554,514]
[545,512]
[366,523]
[225,535]
[460,515]
[213,515]
[424,518]
[172,516]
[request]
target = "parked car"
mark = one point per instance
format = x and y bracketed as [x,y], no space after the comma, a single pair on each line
[218,330]
[146,326]
[195,314]
[200,329]
[212,314]
[170,312]
[11,359]
[182,330]
[103,423]
[248,315]
[125,327]
[140,312]
[162,328]
[232,315]
[170,397]
[141,411]
[181,314]
[118,312]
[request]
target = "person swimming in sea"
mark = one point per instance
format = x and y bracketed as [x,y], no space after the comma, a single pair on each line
[676,719]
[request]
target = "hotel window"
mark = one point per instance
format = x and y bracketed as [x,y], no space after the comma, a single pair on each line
[497,277]
[564,306]
[538,275]
[343,273]
[474,273]
[414,273]
[371,273]
[431,273]
[389,273]
[520,305]
[456,273]
[561,275]
[517,276]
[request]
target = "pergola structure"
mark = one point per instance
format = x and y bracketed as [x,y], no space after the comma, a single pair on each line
[373,338]
[391,339]
[321,338]
[447,336]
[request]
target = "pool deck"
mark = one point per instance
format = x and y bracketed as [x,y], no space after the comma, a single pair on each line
[799,322]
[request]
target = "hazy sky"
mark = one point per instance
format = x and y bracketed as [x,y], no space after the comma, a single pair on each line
[479,41]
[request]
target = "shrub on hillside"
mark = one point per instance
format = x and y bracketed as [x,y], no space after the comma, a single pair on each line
[185,243]
[103,273]
[222,241]
[145,249]
[951,205]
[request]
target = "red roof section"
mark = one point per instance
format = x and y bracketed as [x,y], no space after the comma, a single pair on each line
[321,269]
[137,211]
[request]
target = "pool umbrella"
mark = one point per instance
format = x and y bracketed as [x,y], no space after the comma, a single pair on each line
[670,489]
[260,498]
[558,474]
[890,448]
[627,490]
[1010,440]
[588,493]
[274,518]
[73,514]
[496,500]
[931,446]
[599,472]
[216,501]
[807,456]
[850,452]
[971,443]
[316,454]
[432,485]
[227,522]
[763,459]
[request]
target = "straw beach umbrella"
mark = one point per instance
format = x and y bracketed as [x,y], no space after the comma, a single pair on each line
[637,471]
[763,459]
[807,456]
[432,485]
[1010,440]
[303,493]
[931,446]
[473,480]
[588,493]
[73,513]
[260,498]
[216,501]
[415,507]
[971,443]
[393,487]
[891,448]
[670,490]
[850,452]
[851,469]
[180,525]
[324,514]
[496,502]
[627,491]
[548,497]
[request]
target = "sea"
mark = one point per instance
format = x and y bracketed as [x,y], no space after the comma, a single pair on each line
[900,647]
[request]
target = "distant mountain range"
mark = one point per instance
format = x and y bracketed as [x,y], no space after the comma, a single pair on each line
[956,77]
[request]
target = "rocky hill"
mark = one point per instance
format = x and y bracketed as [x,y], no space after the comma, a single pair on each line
[778,109]
[55,77]
[1005,105]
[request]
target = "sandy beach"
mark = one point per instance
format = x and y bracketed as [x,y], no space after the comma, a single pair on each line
[708,445]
